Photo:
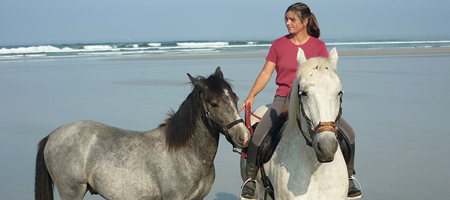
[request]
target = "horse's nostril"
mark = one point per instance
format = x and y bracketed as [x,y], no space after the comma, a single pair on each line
[319,147]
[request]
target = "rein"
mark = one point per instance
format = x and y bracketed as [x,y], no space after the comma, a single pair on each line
[248,124]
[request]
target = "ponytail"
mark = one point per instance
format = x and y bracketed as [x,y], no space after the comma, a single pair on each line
[313,27]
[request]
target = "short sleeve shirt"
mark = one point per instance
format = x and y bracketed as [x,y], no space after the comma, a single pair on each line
[284,54]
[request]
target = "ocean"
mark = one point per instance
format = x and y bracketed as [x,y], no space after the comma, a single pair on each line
[183,48]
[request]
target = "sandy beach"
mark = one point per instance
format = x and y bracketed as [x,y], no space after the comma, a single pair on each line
[396,101]
[373,52]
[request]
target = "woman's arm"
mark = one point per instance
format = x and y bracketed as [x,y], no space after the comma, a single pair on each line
[261,82]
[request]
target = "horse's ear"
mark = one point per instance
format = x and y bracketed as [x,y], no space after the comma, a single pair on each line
[334,56]
[196,82]
[301,57]
[218,72]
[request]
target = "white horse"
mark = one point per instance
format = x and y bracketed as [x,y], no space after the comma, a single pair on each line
[308,162]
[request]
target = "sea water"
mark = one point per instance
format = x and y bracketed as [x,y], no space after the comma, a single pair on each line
[182,48]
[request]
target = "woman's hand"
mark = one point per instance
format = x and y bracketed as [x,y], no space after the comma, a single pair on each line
[248,103]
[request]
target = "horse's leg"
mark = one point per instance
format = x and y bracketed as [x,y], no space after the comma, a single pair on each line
[72,191]
[44,184]
[70,180]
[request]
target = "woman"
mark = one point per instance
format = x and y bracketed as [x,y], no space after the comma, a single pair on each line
[304,33]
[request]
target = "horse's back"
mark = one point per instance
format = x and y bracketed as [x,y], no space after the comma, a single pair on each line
[76,139]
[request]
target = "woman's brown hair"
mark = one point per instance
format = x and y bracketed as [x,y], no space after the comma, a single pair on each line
[303,12]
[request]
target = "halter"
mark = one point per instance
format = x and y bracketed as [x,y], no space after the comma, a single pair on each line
[322,126]
[225,127]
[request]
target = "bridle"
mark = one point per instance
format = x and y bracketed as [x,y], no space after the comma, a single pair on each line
[224,127]
[322,126]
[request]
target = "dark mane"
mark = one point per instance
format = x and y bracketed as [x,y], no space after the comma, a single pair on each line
[181,125]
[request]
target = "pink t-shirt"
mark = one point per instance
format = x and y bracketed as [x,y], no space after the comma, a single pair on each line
[284,54]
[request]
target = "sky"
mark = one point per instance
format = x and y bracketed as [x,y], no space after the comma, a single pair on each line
[92,21]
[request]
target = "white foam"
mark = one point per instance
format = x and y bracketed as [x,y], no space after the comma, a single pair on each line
[35,55]
[11,57]
[154,44]
[98,47]
[202,44]
[33,49]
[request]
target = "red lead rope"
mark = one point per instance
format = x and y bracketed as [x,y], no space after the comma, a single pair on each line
[248,123]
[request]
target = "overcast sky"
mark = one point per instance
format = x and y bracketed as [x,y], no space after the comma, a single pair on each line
[85,21]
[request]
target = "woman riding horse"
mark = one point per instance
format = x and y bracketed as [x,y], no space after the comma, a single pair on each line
[303,33]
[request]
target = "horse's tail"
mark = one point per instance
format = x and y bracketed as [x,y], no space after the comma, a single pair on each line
[43,186]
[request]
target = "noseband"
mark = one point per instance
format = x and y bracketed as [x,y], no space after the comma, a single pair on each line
[322,126]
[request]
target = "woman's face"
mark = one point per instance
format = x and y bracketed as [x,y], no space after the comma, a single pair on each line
[294,24]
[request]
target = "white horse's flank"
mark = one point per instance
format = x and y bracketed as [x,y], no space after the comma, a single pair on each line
[294,169]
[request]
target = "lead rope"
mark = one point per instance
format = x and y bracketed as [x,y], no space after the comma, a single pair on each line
[248,124]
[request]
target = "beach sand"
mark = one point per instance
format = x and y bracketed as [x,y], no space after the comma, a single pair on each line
[367,52]
[396,101]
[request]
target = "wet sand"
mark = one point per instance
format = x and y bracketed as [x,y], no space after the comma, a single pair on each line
[396,101]
[373,52]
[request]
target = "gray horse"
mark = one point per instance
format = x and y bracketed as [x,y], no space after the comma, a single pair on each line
[173,161]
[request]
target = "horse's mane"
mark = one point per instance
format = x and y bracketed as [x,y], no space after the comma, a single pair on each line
[181,125]
[321,66]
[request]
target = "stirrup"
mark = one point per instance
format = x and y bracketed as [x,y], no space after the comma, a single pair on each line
[245,183]
[359,186]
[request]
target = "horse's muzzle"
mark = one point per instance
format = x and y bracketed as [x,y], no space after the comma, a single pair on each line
[325,144]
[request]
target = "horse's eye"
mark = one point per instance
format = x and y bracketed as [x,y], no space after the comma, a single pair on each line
[304,94]
[214,105]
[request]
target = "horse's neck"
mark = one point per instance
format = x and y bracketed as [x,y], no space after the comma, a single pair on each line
[295,142]
[293,132]
[205,140]
[294,152]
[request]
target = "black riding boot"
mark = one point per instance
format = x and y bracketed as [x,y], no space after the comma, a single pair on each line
[251,170]
[348,150]
[353,191]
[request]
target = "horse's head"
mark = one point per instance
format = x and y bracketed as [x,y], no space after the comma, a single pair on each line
[316,97]
[220,106]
